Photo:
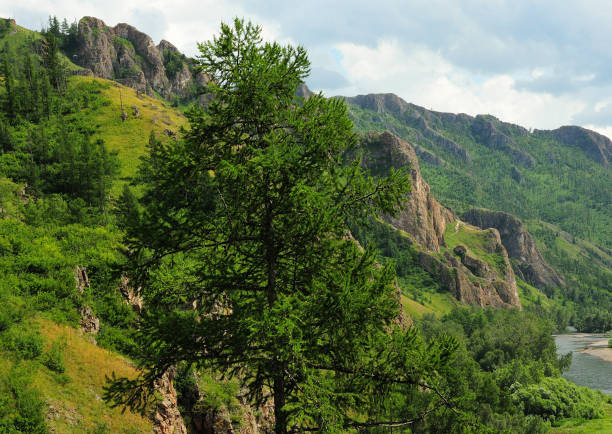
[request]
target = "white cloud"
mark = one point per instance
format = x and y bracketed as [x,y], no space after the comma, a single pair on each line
[536,64]
[426,78]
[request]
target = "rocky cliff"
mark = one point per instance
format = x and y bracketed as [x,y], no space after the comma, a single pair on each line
[125,54]
[423,217]
[414,116]
[596,146]
[471,263]
[530,266]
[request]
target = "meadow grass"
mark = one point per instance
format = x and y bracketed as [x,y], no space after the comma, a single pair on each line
[76,395]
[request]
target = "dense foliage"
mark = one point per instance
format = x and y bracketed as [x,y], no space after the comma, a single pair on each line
[247,216]
[54,185]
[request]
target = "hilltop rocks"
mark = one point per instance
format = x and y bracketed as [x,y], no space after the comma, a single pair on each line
[485,131]
[530,265]
[414,116]
[129,56]
[422,217]
[596,146]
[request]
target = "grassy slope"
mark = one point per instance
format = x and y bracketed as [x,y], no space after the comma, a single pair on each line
[602,425]
[87,366]
[74,398]
[131,136]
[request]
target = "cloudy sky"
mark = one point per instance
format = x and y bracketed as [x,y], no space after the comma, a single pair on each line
[541,64]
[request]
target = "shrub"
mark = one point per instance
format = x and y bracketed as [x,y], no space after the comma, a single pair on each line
[556,398]
[26,344]
[21,405]
[54,357]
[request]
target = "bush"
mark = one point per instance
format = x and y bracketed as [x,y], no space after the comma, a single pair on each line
[116,339]
[54,357]
[26,344]
[556,398]
[21,405]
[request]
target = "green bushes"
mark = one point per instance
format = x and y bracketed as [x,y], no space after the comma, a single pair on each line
[54,357]
[21,405]
[556,398]
[24,343]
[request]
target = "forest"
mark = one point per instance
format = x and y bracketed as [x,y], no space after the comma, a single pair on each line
[267,276]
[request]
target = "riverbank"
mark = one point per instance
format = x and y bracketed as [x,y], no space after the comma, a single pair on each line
[599,349]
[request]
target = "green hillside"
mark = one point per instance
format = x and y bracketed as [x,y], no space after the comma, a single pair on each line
[532,175]
[70,151]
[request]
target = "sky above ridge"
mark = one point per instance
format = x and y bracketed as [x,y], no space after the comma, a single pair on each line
[538,63]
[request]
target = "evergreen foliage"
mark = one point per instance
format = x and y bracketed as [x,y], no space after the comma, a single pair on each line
[245,219]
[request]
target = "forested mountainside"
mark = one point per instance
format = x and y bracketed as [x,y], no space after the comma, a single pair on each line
[80,105]
[562,176]
[558,182]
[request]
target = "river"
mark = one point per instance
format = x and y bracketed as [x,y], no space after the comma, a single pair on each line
[586,370]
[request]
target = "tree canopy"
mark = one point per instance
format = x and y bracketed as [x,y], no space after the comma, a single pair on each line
[244,256]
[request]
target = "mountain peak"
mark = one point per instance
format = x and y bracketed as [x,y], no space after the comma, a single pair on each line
[125,54]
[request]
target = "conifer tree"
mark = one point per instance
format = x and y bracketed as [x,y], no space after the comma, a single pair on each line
[244,220]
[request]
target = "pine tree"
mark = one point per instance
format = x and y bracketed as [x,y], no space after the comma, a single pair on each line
[52,61]
[8,72]
[245,219]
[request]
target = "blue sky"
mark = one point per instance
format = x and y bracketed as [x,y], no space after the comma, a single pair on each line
[541,64]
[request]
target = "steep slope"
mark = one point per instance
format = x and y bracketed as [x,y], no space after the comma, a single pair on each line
[595,145]
[423,217]
[519,244]
[128,134]
[559,176]
[76,405]
[470,263]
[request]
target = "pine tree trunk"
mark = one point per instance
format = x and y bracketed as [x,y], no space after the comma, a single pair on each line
[280,416]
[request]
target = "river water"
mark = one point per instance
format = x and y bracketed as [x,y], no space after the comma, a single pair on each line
[586,370]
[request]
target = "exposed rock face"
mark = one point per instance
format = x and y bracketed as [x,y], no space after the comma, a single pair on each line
[596,146]
[485,131]
[531,267]
[303,91]
[133,298]
[423,217]
[89,322]
[125,54]
[468,278]
[414,116]
[81,278]
[167,419]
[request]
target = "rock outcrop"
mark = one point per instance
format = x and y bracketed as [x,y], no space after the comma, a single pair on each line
[596,146]
[89,322]
[422,217]
[129,56]
[167,418]
[415,117]
[469,278]
[485,131]
[530,266]
[81,279]
[132,297]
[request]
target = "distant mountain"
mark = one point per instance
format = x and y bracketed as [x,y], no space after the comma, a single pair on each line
[560,176]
